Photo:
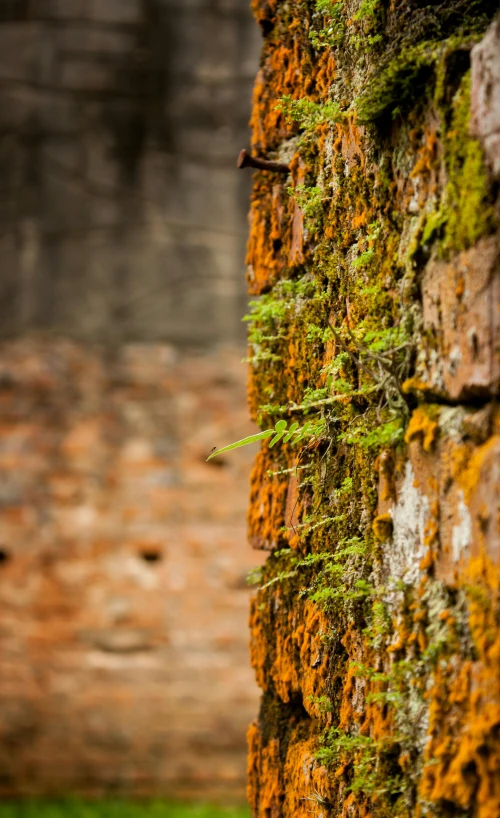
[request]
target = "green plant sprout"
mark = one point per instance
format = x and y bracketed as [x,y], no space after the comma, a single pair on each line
[378,354]
[279,432]
[332,33]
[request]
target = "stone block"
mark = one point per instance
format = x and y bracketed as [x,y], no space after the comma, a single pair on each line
[82,40]
[63,9]
[86,75]
[443,502]
[485,102]
[20,51]
[205,46]
[119,12]
[461,318]
[203,122]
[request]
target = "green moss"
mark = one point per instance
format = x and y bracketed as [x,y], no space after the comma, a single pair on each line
[309,115]
[465,212]
[310,201]
[368,10]
[468,201]
[432,228]
[371,763]
[398,84]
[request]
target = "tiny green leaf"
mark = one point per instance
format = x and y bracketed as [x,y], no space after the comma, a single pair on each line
[243,442]
[276,438]
[293,428]
[280,430]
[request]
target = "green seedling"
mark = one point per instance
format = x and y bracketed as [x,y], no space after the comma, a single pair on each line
[279,432]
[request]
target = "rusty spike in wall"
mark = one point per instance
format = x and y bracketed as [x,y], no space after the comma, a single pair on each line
[375,635]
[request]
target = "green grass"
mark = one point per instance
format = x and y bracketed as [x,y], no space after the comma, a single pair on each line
[116,809]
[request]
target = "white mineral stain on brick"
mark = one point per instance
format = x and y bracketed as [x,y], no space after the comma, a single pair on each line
[462,533]
[454,359]
[409,516]
[130,568]
[97,659]
[451,419]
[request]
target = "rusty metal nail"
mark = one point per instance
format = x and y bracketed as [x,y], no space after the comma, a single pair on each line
[245,160]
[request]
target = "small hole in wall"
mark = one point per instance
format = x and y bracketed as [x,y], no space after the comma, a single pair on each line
[483,750]
[151,555]
[4,555]
[266,25]
[469,770]
[474,342]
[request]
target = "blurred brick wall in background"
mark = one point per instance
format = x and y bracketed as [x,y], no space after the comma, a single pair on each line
[123,612]
[123,601]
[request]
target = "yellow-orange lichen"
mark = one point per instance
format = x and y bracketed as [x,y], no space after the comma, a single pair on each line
[309,783]
[464,707]
[423,426]
[265,784]
[467,465]
[382,526]
[267,509]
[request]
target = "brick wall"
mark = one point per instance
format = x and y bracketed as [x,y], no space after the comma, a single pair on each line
[123,557]
[375,634]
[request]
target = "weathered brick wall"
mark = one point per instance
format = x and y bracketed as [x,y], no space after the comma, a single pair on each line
[375,634]
[123,624]
[123,602]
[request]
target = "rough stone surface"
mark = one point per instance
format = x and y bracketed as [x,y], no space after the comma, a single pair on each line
[485,119]
[123,559]
[375,633]
[460,313]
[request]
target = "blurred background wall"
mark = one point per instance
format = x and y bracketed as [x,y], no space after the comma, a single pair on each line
[123,555]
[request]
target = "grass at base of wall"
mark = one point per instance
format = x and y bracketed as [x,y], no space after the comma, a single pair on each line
[110,808]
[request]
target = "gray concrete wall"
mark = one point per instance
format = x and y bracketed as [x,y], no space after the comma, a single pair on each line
[121,213]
